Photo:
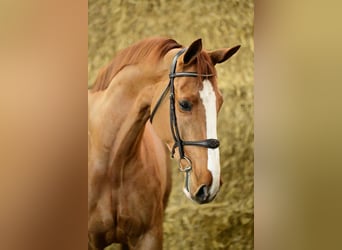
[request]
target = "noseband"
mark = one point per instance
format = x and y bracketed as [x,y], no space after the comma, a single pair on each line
[178,142]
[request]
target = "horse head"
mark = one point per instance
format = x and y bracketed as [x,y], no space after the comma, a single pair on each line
[187,122]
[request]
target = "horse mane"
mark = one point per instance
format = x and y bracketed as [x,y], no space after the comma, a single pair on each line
[152,49]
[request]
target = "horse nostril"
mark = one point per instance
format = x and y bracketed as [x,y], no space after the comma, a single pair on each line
[202,194]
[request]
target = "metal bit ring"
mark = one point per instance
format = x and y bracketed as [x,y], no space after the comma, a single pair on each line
[188,166]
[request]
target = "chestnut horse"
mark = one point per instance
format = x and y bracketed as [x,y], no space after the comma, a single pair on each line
[155,96]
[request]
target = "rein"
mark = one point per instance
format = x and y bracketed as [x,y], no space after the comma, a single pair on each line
[178,142]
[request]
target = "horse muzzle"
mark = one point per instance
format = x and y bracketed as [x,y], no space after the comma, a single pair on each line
[203,194]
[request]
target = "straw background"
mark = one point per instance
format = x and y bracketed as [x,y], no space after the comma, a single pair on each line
[226,223]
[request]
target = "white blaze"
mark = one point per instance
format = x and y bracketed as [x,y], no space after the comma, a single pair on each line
[208,97]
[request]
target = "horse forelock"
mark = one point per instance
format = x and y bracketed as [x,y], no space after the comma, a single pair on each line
[150,50]
[204,64]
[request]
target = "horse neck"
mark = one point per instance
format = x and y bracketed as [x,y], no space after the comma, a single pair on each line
[119,113]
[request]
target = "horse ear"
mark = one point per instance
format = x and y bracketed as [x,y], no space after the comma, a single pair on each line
[192,52]
[221,55]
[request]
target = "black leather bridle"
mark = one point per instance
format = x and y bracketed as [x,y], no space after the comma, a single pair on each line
[178,142]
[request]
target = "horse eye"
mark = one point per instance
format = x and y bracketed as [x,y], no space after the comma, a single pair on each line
[185,105]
